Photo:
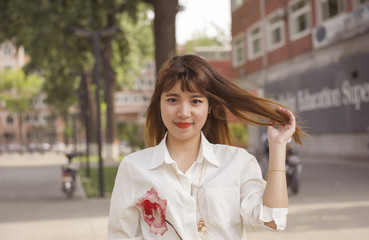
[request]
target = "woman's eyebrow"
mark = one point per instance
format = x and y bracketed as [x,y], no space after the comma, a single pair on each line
[171,94]
[197,96]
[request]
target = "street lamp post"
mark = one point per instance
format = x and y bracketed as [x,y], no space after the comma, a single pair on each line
[95,35]
[82,95]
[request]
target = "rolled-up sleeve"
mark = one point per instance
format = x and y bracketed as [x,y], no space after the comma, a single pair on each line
[124,221]
[278,215]
[253,211]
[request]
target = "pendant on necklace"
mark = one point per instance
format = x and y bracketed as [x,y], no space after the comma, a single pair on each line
[201,227]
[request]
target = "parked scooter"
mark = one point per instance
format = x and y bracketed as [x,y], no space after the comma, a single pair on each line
[293,165]
[293,169]
[69,172]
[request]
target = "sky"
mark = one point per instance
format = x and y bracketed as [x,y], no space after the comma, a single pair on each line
[201,16]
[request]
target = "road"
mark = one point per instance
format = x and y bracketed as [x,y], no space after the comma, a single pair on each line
[32,205]
[333,203]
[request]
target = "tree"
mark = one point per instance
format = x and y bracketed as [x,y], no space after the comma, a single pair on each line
[44,29]
[164,30]
[201,40]
[55,53]
[18,92]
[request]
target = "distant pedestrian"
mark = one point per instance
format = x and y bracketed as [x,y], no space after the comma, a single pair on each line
[190,183]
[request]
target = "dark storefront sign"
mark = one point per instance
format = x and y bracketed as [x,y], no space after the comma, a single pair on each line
[334,98]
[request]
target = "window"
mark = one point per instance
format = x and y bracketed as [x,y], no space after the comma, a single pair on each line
[329,8]
[9,136]
[26,118]
[360,3]
[255,41]
[275,30]
[9,120]
[8,49]
[238,50]
[299,18]
[236,4]
[46,119]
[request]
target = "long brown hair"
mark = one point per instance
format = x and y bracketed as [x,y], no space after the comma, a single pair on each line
[195,74]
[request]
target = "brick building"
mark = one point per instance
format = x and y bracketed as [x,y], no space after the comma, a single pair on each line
[313,56]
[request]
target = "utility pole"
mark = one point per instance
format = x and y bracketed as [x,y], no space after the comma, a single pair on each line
[95,35]
[84,109]
[83,98]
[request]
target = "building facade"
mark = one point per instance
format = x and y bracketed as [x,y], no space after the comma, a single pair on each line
[218,57]
[131,104]
[21,130]
[10,56]
[313,56]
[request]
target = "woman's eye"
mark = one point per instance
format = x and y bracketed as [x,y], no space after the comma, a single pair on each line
[172,100]
[196,101]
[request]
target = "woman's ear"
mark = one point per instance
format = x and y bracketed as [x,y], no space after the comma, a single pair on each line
[209,110]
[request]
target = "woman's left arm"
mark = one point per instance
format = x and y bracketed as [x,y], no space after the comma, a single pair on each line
[275,193]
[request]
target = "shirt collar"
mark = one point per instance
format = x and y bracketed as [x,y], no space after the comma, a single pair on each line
[161,154]
[208,151]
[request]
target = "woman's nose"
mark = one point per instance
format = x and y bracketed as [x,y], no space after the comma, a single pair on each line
[184,111]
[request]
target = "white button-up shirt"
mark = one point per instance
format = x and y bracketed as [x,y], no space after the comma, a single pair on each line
[230,194]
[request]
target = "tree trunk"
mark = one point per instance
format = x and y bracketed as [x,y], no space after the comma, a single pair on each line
[89,109]
[164,30]
[20,117]
[109,91]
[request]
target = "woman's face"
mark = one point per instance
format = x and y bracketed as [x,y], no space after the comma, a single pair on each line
[183,113]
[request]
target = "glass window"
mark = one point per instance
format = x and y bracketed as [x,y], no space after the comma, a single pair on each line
[10,120]
[360,3]
[275,28]
[9,136]
[8,50]
[329,8]
[26,118]
[299,18]
[238,50]
[255,41]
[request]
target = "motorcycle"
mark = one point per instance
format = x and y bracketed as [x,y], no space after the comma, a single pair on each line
[69,173]
[293,170]
[293,165]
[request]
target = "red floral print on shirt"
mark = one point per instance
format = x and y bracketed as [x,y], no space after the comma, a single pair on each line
[153,210]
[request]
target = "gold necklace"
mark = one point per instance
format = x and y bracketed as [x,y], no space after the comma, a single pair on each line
[201,226]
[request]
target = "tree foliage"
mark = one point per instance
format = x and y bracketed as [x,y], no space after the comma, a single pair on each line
[201,40]
[18,90]
[44,28]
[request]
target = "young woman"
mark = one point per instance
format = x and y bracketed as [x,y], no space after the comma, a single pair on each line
[190,183]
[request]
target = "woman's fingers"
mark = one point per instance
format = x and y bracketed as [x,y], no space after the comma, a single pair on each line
[289,114]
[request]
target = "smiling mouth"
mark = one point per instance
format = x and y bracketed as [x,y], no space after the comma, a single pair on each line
[183,125]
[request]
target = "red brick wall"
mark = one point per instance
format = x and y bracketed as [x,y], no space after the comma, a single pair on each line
[248,14]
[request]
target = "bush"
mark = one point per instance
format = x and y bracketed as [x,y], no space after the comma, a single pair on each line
[91,184]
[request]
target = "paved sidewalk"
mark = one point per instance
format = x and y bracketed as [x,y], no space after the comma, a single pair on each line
[333,203]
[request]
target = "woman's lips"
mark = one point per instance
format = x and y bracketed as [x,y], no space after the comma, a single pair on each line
[183,125]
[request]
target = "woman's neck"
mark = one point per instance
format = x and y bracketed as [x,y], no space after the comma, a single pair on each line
[184,152]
